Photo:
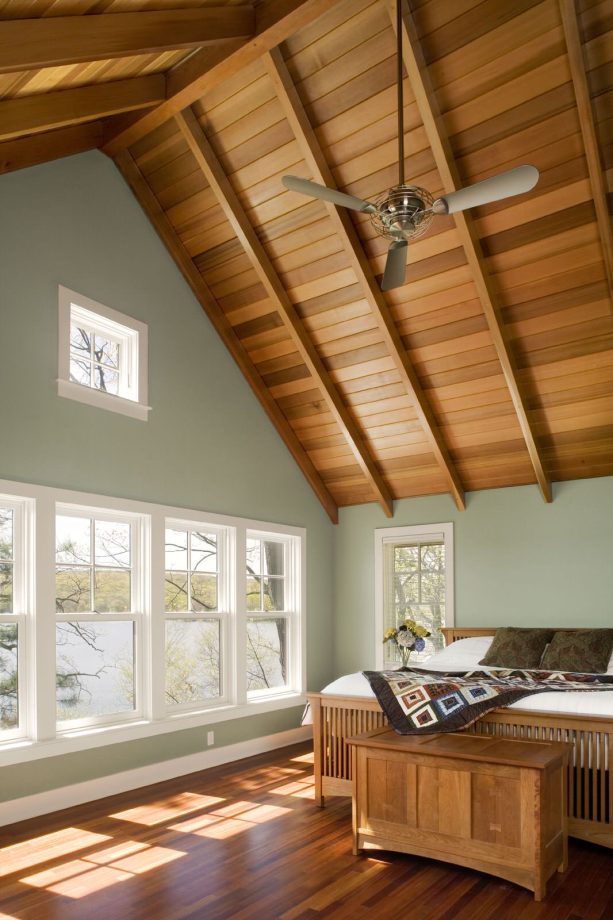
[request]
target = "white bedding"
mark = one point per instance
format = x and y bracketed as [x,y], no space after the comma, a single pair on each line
[465,655]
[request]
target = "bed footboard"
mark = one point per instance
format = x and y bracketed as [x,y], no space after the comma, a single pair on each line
[590,780]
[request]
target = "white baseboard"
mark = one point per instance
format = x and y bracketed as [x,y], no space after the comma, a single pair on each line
[31,806]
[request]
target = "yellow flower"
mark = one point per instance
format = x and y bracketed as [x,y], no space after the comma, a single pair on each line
[422,632]
[411,624]
[389,634]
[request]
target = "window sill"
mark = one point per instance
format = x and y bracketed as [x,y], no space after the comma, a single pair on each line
[101,400]
[25,750]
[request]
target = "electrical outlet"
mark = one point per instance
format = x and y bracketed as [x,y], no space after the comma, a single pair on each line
[210,738]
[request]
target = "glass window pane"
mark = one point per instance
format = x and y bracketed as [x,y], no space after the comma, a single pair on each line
[432,586]
[193,661]
[272,558]
[112,591]
[6,587]
[73,590]
[406,590]
[273,589]
[106,379]
[266,653]
[204,552]
[72,539]
[406,558]
[95,669]
[254,597]
[6,533]
[253,556]
[176,550]
[80,372]
[80,340]
[204,591]
[175,591]
[433,557]
[9,712]
[112,543]
[106,352]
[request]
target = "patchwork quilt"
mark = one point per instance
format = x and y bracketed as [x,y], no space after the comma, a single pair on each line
[417,701]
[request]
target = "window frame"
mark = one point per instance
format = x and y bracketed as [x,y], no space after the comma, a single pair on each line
[290,612]
[407,534]
[131,333]
[43,740]
[224,614]
[135,615]
[23,556]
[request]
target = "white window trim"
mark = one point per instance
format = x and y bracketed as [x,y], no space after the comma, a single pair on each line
[45,740]
[416,533]
[134,401]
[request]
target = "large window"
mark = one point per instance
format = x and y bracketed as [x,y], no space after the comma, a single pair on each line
[122,619]
[97,600]
[102,357]
[414,581]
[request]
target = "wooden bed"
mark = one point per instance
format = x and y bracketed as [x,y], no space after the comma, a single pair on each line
[590,788]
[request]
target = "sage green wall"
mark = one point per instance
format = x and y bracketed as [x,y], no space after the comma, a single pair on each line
[207,445]
[518,561]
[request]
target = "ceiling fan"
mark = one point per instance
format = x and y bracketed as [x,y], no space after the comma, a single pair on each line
[405,212]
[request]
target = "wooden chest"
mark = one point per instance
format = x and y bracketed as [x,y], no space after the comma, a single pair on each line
[496,805]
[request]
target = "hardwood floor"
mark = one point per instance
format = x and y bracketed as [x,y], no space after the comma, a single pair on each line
[245,841]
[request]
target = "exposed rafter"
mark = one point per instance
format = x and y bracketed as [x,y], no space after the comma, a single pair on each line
[33,114]
[312,153]
[275,21]
[28,44]
[588,130]
[165,230]
[425,97]
[232,208]
[30,151]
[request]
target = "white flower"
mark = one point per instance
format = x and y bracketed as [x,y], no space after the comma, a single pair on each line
[405,639]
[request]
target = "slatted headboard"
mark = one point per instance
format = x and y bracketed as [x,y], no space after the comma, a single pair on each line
[453,633]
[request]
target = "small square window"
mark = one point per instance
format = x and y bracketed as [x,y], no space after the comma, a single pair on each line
[102,357]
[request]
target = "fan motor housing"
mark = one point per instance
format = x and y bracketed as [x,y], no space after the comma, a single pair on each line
[403,212]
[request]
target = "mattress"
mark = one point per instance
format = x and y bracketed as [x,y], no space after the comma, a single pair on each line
[465,655]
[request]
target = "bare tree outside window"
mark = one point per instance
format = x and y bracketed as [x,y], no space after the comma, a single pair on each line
[267,636]
[193,640]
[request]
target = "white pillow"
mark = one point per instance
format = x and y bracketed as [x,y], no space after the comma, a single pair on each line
[461,655]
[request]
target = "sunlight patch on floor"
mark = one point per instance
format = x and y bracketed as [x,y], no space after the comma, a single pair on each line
[167,809]
[81,877]
[304,758]
[300,789]
[230,820]
[20,856]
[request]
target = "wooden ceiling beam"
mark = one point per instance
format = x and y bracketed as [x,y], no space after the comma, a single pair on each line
[574,48]
[46,111]
[276,20]
[425,97]
[233,210]
[29,44]
[169,237]
[313,155]
[30,151]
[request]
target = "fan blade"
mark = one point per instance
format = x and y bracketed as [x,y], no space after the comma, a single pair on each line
[306,187]
[504,185]
[395,266]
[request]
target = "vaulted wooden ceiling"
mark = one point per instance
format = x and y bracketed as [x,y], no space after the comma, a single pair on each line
[493,364]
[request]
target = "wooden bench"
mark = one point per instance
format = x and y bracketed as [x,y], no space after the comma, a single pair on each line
[496,805]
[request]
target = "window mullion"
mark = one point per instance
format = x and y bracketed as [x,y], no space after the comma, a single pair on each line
[42,663]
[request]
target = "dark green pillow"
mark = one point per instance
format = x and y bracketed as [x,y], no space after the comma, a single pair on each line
[514,647]
[584,650]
